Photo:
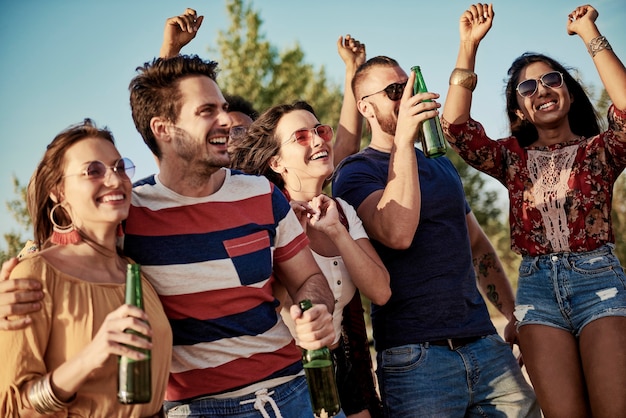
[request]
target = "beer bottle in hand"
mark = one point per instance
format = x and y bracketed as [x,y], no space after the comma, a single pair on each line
[431,135]
[320,376]
[134,382]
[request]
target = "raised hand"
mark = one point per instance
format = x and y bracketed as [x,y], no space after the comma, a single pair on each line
[351,51]
[475,22]
[581,16]
[179,31]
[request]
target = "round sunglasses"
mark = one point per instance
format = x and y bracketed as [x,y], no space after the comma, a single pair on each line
[527,88]
[304,136]
[96,170]
[393,91]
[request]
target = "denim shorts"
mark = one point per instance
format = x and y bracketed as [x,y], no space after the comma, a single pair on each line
[479,379]
[291,399]
[569,290]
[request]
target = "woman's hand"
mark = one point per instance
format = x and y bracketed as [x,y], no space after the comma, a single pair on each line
[582,16]
[475,22]
[111,338]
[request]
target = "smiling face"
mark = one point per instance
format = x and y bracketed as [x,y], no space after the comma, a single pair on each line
[548,107]
[98,203]
[200,135]
[300,161]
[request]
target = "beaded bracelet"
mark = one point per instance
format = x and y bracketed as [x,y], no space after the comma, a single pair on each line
[597,44]
[464,78]
[43,399]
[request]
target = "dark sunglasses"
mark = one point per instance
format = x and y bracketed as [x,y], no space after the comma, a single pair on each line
[553,79]
[304,136]
[393,91]
[96,170]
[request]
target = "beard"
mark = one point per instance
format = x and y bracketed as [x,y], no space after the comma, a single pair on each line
[387,122]
[194,152]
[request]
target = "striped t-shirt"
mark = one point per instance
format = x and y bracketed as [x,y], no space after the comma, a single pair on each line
[210,259]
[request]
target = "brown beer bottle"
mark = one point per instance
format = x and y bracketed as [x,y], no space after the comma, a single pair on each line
[320,376]
[134,376]
[431,135]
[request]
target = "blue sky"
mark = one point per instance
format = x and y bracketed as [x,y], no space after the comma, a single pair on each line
[64,60]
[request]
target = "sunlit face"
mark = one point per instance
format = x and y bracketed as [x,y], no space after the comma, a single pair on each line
[100,202]
[547,107]
[307,161]
[385,109]
[200,135]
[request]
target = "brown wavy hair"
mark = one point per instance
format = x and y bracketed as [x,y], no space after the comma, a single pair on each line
[48,177]
[255,151]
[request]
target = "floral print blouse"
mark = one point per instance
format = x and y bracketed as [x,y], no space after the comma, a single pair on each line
[560,195]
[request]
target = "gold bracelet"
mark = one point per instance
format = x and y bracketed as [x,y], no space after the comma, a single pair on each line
[464,78]
[43,398]
[597,44]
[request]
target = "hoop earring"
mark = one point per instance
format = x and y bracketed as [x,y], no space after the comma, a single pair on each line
[299,182]
[63,235]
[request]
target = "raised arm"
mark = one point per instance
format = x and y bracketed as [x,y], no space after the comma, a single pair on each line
[348,138]
[178,32]
[474,24]
[582,22]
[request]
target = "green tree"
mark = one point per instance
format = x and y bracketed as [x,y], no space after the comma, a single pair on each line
[255,69]
[17,208]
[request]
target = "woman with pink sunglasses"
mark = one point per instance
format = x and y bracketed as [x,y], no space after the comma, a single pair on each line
[288,145]
[559,169]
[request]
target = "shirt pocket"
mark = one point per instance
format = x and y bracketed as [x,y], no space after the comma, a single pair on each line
[251,256]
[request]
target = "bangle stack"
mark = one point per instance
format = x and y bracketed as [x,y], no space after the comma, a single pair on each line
[43,399]
[597,44]
[464,78]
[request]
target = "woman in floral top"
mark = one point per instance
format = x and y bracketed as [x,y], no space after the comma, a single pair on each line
[559,170]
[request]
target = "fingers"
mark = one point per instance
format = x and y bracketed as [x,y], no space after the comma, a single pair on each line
[7,268]
[188,21]
[19,297]
[351,49]
[14,324]
[481,12]
[314,327]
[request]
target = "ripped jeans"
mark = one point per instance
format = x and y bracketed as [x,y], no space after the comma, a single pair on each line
[569,290]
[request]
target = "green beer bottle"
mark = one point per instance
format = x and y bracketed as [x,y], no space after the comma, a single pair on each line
[320,376]
[134,376]
[431,135]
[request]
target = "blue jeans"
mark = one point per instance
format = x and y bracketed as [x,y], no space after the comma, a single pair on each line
[569,290]
[291,399]
[480,379]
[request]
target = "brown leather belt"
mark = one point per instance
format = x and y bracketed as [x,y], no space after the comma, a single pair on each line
[454,343]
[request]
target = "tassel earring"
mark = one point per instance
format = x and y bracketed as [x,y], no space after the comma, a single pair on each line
[120,230]
[63,235]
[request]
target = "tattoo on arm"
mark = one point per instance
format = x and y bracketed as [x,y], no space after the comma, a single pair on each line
[493,296]
[483,265]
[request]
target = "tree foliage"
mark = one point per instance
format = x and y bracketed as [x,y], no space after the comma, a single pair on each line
[17,207]
[253,68]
